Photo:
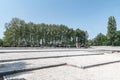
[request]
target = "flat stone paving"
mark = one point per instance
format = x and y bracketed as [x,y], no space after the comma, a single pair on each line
[72,71]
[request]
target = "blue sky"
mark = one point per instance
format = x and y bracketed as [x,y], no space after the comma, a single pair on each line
[90,15]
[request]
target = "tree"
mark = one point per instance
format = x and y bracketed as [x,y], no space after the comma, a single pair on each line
[14,32]
[117,39]
[111,32]
[100,39]
[82,37]
[90,42]
[1,42]
[20,33]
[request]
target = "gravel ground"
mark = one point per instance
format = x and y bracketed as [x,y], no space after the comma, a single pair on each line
[107,72]
[72,71]
[4,56]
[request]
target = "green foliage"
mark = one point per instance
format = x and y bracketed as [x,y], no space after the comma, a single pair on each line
[20,33]
[111,32]
[83,35]
[117,38]
[90,42]
[1,42]
[112,37]
[100,39]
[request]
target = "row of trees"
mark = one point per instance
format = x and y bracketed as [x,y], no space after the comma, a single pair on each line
[111,38]
[20,33]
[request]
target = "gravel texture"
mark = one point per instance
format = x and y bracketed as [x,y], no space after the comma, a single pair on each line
[72,71]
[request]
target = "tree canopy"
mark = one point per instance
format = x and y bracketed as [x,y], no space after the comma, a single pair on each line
[112,38]
[1,42]
[111,32]
[20,33]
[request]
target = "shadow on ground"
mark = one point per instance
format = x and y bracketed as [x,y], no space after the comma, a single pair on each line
[4,67]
